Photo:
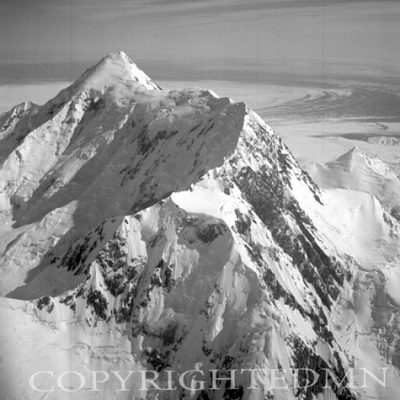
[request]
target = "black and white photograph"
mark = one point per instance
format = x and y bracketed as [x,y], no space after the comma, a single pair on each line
[200,200]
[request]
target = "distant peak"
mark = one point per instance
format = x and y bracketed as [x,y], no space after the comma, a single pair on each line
[352,159]
[353,152]
[356,160]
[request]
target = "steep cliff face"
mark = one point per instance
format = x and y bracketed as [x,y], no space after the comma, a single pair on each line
[153,230]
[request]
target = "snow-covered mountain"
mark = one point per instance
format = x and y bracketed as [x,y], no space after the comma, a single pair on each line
[144,229]
[357,171]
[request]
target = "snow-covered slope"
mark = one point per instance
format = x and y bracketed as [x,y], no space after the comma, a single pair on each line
[153,230]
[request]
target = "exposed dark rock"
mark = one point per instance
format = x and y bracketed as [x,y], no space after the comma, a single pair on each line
[158,361]
[98,302]
[305,357]
[243,223]
[45,301]
[208,232]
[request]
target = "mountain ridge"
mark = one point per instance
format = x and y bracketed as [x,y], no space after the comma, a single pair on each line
[151,229]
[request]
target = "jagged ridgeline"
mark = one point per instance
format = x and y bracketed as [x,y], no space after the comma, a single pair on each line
[145,229]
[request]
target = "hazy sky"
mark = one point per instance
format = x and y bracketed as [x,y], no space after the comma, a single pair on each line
[200,39]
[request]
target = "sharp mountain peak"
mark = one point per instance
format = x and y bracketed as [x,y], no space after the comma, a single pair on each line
[114,71]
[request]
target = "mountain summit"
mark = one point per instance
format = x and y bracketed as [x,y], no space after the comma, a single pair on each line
[155,230]
[115,69]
